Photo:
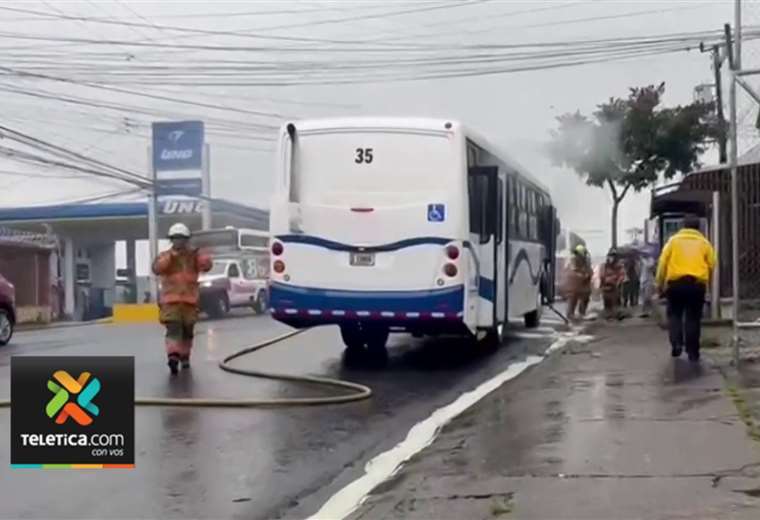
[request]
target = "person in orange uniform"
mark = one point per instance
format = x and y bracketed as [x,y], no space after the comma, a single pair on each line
[577,283]
[611,276]
[178,269]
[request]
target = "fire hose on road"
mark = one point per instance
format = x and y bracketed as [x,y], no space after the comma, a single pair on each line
[357,392]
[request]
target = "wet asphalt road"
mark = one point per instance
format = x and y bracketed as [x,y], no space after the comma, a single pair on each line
[243,463]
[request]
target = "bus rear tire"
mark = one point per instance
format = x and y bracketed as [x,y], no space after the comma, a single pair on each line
[352,337]
[377,340]
[533,319]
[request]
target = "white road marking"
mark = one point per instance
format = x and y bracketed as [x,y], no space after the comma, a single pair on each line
[422,435]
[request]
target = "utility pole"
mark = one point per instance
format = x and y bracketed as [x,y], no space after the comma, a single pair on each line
[153,228]
[718,59]
[735,59]
[722,138]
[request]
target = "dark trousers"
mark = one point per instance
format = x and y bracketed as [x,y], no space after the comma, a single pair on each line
[686,298]
[631,291]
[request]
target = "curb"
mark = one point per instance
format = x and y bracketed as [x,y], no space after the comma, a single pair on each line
[30,327]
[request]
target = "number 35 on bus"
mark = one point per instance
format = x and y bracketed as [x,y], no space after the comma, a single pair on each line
[406,225]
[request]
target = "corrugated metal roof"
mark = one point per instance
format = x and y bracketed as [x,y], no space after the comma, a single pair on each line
[16,238]
[751,156]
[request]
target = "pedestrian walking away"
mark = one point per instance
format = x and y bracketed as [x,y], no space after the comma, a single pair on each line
[683,273]
[577,282]
[178,268]
[632,284]
[611,276]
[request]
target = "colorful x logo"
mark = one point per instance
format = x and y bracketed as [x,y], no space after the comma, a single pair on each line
[85,390]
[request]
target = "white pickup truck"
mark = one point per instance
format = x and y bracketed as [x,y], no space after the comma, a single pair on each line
[235,282]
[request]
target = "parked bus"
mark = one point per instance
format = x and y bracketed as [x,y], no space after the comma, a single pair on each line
[413,225]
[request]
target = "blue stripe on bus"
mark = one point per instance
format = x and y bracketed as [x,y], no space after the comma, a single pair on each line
[486,288]
[338,246]
[446,300]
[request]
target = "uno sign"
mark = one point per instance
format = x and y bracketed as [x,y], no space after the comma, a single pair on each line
[177,145]
[181,207]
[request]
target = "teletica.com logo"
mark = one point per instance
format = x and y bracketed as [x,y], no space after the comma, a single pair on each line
[84,389]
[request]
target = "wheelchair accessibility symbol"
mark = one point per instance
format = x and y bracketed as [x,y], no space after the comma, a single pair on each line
[436,212]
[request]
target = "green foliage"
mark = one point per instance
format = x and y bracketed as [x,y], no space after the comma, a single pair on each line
[631,143]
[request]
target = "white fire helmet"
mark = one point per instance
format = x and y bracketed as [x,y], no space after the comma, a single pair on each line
[179,230]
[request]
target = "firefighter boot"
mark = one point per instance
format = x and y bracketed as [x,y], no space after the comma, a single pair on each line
[172,355]
[187,346]
[173,364]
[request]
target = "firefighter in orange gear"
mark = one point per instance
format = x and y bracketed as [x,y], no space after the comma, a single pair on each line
[611,277]
[179,268]
[577,282]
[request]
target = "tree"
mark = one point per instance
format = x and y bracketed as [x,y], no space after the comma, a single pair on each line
[631,143]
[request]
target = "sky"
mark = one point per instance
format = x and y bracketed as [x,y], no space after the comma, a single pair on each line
[51,48]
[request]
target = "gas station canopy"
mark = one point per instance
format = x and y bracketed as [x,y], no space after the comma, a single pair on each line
[112,221]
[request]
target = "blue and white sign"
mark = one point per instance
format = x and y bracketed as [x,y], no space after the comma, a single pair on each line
[191,187]
[436,212]
[178,149]
[178,146]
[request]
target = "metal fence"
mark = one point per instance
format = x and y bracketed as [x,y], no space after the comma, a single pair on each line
[749,225]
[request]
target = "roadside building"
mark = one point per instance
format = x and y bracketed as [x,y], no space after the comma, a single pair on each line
[27,260]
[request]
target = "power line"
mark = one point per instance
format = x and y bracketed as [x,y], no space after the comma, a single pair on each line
[458,21]
[189,30]
[335,73]
[129,110]
[389,14]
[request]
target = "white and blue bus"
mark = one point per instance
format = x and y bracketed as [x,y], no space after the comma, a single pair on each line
[382,225]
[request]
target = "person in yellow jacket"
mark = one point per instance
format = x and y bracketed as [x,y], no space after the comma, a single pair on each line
[683,274]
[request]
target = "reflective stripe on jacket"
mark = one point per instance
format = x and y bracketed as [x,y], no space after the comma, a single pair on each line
[179,270]
[687,253]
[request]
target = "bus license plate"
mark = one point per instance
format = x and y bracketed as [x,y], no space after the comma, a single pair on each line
[363,259]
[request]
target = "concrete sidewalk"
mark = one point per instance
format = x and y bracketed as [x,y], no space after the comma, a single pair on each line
[614,429]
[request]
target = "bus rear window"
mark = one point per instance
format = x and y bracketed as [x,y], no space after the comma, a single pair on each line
[330,164]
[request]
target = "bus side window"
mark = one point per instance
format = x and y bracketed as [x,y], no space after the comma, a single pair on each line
[483,216]
[476,204]
[500,212]
[512,207]
[487,216]
[523,208]
[532,220]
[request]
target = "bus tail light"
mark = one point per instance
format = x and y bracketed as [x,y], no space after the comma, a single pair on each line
[279,267]
[452,252]
[277,248]
[450,270]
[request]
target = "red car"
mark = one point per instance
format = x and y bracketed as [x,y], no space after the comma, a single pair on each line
[7,310]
